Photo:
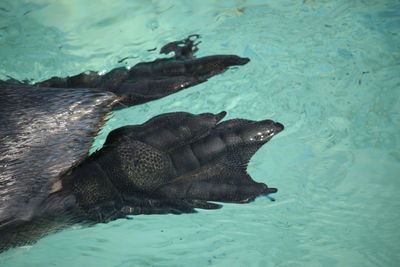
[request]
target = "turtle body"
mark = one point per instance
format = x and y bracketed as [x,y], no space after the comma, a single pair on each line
[173,163]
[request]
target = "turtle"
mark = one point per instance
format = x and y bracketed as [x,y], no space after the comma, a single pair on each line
[173,163]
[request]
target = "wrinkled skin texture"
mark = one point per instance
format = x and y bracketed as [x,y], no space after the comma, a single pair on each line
[148,81]
[173,163]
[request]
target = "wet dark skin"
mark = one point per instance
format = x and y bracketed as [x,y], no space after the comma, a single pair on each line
[173,163]
[148,81]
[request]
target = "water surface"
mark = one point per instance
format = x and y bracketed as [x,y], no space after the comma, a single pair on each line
[329,70]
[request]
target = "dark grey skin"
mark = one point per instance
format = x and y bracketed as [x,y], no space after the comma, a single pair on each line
[148,81]
[173,163]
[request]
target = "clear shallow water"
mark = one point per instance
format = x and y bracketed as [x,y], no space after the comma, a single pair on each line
[328,70]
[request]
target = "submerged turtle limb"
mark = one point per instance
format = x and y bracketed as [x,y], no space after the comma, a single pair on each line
[173,163]
[148,81]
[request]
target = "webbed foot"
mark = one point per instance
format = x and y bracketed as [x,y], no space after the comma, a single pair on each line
[180,161]
[148,81]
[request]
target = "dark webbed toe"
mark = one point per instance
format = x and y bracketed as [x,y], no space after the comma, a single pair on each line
[180,161]
[147,81]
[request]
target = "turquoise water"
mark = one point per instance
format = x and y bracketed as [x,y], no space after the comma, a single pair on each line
[329,70]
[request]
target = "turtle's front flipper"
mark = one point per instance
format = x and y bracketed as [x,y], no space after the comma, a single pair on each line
[177,162]
[148,81]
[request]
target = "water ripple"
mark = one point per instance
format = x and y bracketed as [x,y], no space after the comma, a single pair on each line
[328,70]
